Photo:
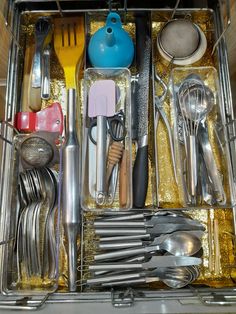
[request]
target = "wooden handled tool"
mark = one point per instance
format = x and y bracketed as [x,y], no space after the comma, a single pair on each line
[123,180]
[114,156]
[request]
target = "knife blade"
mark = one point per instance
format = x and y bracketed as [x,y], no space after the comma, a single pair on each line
[143,53]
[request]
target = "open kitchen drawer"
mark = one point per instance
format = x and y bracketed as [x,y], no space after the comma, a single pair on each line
[216,283]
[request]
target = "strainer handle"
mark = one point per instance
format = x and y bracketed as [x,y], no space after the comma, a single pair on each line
[228,15]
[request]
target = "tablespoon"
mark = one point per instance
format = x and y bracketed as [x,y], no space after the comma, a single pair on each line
[163,273]
[126,242]
[179,244]
[179,278]
[147,237]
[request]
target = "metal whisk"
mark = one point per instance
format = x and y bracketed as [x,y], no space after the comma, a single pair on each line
[194,107]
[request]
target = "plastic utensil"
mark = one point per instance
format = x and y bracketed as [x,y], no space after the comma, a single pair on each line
[69,43]
[111,46]
[101,104]
[49,119]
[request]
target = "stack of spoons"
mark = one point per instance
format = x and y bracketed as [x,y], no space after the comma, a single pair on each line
[145,247]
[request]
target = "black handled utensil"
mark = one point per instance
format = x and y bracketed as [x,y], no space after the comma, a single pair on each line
[140,170]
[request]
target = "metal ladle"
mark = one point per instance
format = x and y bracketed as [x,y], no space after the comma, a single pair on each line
[178,244]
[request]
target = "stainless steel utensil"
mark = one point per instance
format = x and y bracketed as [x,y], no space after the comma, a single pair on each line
[45,85]
[176,277]
[36,246]
[212,171]
[182,42]
[43,36]
[71,185]
[139,215]
[178,243]
[162,273]
[147,223]
[157,229]
[155,261]
[138,241]
[160,113]
[194,105]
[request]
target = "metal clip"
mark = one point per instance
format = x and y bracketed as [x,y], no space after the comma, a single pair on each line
[25,303]
[231,125]
[126,298]
[2,137]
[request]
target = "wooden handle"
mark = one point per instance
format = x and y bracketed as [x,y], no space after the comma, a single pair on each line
[30,97]
[26,78]
[34,98]
[114,156]
[123,184]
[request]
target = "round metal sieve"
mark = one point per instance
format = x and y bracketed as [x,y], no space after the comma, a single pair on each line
[181,41]
[36,152]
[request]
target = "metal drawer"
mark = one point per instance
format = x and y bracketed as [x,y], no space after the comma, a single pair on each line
[193,299]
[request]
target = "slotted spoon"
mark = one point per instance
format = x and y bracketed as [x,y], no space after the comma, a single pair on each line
[69,41]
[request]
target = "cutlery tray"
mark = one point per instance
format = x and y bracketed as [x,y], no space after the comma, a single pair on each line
[218,267]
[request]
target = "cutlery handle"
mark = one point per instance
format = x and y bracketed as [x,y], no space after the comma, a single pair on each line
[117,224]
[125,217]
[140,177]
[211,166]
[125,238]
[45,89]
[120,231]
[116,266]
[70,200]
[133,259]
[104,279]
[119,245]
[125,282]
[101,160]
[37,67]
[192,166]
[121,253]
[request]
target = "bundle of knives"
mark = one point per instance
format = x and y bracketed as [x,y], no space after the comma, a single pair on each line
[163,246]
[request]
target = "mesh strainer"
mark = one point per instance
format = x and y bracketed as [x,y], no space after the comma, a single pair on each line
[181,41]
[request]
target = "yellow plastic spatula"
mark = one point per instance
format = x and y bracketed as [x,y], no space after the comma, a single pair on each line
[69,40]
[69,43]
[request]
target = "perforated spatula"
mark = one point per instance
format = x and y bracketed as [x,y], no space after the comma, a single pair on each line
[69,42]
